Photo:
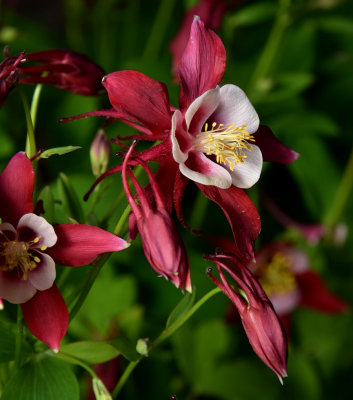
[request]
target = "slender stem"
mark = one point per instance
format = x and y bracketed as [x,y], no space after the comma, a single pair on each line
[35,103]
[31,148]
[342,194]
[271,47]
[122,220]
[159,28]
[163,336]
[19,334]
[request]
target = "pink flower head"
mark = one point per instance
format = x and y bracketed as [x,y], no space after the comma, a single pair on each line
[9,75]
[261,324]
[64,69]
[286,276]
[162,244]
[30,247]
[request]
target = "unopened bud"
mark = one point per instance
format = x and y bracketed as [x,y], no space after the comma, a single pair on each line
[99,153]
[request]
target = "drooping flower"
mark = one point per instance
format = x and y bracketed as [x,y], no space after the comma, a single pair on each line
[64,69]
[30,247]
[9,74]
[162,244]
[261,324]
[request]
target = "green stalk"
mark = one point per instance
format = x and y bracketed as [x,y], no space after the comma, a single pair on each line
[159,28]
[271,47]
[19,333]
[339,202]
[35,103]
[162,337]
[31,148]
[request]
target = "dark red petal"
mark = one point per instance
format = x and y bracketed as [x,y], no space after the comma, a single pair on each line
[202,65]
[80,244]
[141,98]
[47,317]
[316,295]
[272,149]
[16,189]
[241,215]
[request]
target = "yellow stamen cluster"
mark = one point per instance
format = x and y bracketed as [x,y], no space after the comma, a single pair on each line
[18,255]
[276,277]
[227,143]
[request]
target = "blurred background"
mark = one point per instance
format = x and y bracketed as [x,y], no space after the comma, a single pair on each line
[294,59]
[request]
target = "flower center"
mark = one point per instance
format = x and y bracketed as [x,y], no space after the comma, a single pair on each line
[276,277]
[228,143]
[18,255]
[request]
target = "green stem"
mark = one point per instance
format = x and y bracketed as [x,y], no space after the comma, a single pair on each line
[159,28]
[31,148]
[162,337]
[19,333]
[342,194]
[35,103]
[271,47]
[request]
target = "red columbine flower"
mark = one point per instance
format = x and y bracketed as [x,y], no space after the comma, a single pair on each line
[162,244]
[30,247]
[262,326]
[64,69]
[9,75]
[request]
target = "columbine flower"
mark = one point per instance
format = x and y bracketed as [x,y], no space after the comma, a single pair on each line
[162,244]
[9,75]
[285,275]
[189,148]
[64,69]
[30,247]
[261,324]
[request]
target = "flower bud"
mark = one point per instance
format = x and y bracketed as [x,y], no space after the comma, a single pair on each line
[99,153]
[8,75]
[261,324]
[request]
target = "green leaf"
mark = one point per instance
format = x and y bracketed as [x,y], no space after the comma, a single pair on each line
[46,195]
[8,342]
[90,352]
[44,378]
[58,151]
[251,15]
[126,348]
[182,308]
[69,198]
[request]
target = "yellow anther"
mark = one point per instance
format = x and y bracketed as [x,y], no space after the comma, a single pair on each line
[276,277]
[43,247]
[229,144]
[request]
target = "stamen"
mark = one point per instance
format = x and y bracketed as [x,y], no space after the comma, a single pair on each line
[228,143]
[276,277]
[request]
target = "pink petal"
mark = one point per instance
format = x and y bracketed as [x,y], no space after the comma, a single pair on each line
[16,189]
[299,261]
[241,215]
[272,149]
[42,229]
[202,170]
[14,289]
[81,244]
[248,173]
[140,98]
[235,108]
[285,303]
[201,109]
[47,317]
[316,295]
[43,276]
[202,65]
[182,141]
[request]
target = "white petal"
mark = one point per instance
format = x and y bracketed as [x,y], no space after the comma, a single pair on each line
[177,134]
[202,170]
[14,289]
[299,261]
[285,303]
[41,227]
[43,276]
[235,107]
[6,227]
[201,108]
[248,173]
